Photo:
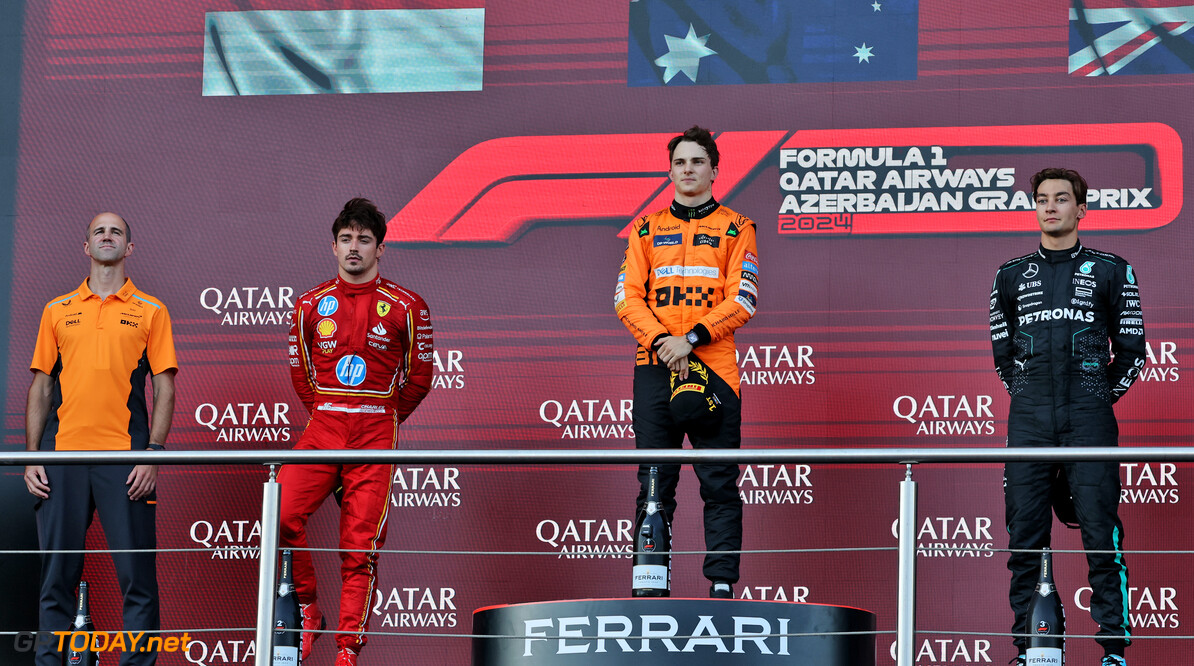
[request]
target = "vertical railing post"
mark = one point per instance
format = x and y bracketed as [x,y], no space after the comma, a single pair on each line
[906,604]
[270,503]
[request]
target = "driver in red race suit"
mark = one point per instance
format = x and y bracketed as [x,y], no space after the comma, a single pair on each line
[361,361]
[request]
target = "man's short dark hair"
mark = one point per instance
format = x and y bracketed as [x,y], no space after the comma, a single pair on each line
[700,136]
[1075,178]
[360,213]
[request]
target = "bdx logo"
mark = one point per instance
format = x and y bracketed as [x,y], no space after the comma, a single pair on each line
[350,370]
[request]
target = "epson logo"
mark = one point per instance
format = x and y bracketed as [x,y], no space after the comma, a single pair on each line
[249,306]
[220,652]
[610,634]
[947,414]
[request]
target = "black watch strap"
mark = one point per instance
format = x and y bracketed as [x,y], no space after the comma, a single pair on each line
[156,447]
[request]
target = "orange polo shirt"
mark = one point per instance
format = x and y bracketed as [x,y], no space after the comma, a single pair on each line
[99,352]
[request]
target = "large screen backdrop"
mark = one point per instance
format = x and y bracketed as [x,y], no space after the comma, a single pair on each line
[883,148]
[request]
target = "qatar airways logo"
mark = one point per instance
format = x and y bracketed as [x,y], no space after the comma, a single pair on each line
[590,418]
[223,651]
[449,366]
[952,536]
[795,593]
[249,306]
[948,415]
[416,607]
[948,651]
[776,484]
[1162,362]
[229,539]
[1149,607]
[590,538]
[246,421]
[776,364]
[1149,483]
[426,487]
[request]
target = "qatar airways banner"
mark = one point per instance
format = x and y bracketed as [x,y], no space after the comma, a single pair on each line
[883,149]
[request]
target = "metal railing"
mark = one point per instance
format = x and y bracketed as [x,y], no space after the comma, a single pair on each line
[906,603]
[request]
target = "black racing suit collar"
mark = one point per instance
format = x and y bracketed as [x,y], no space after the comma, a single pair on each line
[694,212]
[1058,256]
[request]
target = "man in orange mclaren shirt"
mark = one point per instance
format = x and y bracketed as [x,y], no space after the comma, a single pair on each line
[95,348]
[361,361]
[690,279]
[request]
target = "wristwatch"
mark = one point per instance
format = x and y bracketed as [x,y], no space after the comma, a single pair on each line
[692,338]
[155,447]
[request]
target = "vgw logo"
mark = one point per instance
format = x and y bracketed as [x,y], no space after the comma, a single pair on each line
[776,484]
[587,538]
[249,306]
[202,653]
[426,486]
[947,414]
[246,421]
[774,364]
[449,371]
[416,607]
[943,651]
[590,419]
[1162,363]
[1148,607]
[952,536]
[230,539]
[1148,483]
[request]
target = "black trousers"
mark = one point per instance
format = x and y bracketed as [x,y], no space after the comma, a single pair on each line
[1094,487]
[654,428]
[76,493]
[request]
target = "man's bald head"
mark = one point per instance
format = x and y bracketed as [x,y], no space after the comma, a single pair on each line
[107,219]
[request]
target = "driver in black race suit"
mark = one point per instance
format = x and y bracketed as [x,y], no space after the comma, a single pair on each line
[1052,314]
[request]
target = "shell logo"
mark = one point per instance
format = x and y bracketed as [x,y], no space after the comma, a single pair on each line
[325,328]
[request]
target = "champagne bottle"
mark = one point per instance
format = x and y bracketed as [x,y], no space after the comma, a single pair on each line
[287,617]
[82,623]
[652,545]
[1046,619]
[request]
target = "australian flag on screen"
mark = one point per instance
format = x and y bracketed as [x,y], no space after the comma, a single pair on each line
[710,42]
[1131,37]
